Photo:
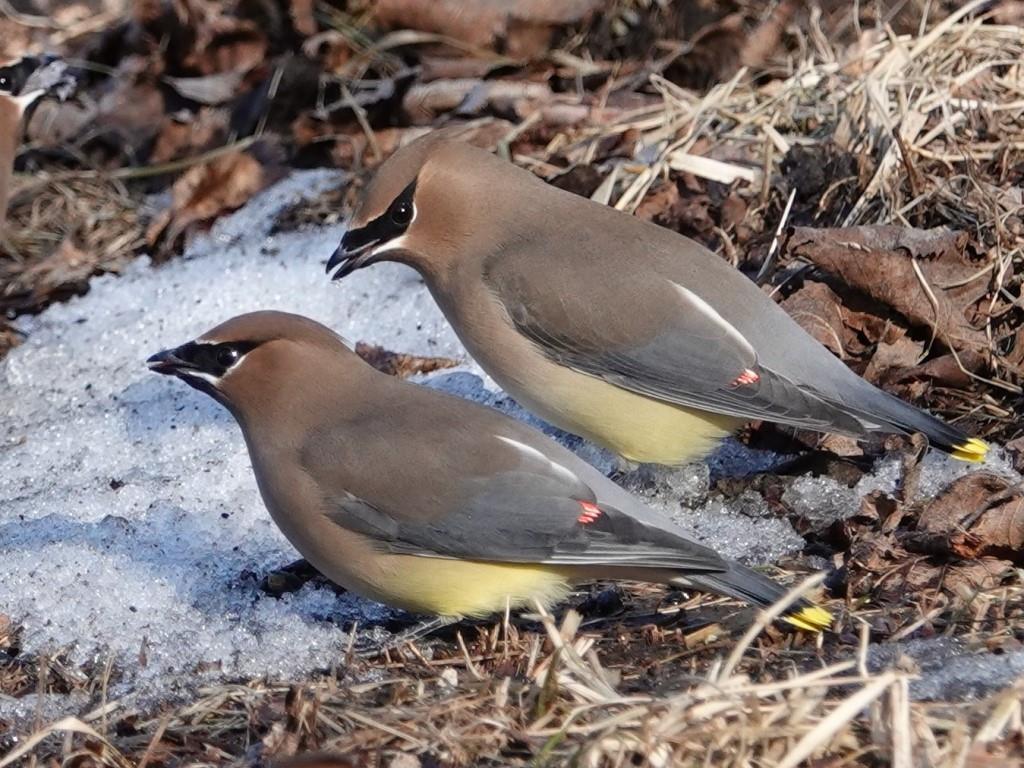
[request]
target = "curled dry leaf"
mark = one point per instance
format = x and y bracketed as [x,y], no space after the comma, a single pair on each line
[227,43]
[522,29]
[897,355]
[818,310]
[64,272]
[208,89]
[879,261]
[470,96]
[399,364]
[303,18]
[186,134]
[204,192]
[978,515]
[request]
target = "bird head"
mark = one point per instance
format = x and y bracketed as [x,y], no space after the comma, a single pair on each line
[254,360]
[419,207]
[26,80]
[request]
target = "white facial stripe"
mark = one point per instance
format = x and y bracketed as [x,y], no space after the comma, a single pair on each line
[391,245]
[26,99]
[711,314]
[536,455]
[214,380]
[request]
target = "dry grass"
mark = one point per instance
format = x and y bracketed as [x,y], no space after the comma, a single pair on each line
[521,698]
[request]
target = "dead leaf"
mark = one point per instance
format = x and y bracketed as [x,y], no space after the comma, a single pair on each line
[303,19]
[522,29]
[208,89]
[204,192]
[879,261]
[818,310]
[659,203]
[423,102]
[901,354]
[227,44]
[1015,448]
[977,515]
[959,500]
[332,48]
[763,41]
[186,134]
[1001,530]
[712,54]
[399,364]
[64,272]
[133,107]
[1010,12]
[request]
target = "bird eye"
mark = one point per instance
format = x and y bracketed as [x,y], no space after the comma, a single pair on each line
[401,214]
[4,84]
[227,356]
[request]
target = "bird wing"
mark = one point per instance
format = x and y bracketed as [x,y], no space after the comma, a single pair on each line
[527,508]
[648,334]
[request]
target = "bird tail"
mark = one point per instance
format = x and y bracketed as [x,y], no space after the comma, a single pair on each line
[750,586]
[900,416]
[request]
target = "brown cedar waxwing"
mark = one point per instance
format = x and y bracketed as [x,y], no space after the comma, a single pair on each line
[426,501]
[23,82]
[607,326]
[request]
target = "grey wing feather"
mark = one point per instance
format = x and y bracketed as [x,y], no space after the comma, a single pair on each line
[513,519]
[677,369]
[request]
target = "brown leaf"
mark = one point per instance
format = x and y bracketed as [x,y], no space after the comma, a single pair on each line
[423,102]
[303,19]
[659,203]
[734,211]
[227,43]
[879,262]
[1001,530]
[900,354]
[964,497]
[967,578]
[332,48]
[818,310]
[399,364]
[763,41]
[208,89]
[942,371]
[525,27]
[1015,448]
[1010,12]
[186,134]
[65,271]
[133,107]
[205,191]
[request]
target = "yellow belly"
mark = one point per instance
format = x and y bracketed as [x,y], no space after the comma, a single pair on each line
[637,428]
[462,588]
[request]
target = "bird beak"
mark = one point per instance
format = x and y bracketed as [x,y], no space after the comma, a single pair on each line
[169,363]
[354,252]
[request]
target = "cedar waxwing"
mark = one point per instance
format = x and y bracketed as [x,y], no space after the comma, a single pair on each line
[23,82]
[425,501]
[607,326]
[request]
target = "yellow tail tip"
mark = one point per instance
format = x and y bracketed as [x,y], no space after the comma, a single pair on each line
[974,450]
[812,618]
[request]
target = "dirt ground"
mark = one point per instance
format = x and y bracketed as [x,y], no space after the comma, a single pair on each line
[865,167]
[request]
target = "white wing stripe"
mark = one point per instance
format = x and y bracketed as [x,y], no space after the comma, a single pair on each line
[708,311]
[536,455]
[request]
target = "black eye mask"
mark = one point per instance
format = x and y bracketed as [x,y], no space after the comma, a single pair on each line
[389,225]
[14,76]
[215,359]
